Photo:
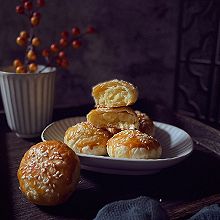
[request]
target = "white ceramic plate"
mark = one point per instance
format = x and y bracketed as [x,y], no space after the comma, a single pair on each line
[175,142]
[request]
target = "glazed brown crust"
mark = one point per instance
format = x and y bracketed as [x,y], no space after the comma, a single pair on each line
[146,125]
[44,171]
[114,93]
[133,139]
[119,118]
[84,135]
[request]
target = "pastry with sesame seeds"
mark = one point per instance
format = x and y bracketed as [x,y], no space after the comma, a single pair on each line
[49,173]
[133,144]
[119,118]
[146,124]
[86,139]
[114,93]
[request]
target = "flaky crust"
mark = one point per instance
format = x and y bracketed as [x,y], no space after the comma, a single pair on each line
[133,144]
[119,118]
[48,173]
[146,125]
[114,93]
[87,139]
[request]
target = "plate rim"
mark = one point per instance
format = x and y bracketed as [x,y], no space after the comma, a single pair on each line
[185,154]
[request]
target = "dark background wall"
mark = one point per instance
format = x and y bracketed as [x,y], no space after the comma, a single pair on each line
[136,41]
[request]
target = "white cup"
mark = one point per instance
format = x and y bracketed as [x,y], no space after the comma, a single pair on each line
[28,100]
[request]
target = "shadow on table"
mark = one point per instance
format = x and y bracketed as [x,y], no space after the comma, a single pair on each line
[5,183]
[194,178]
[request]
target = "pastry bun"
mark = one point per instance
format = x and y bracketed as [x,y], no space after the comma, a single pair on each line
[114,93]
[119,118]
[87,139]
[146,125]
[133,144]
[48,173]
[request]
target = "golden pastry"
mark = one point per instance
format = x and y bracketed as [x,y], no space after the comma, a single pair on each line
[87,139]
[119,118]
[48,173]
[114,93]
[133,144]
[146,124]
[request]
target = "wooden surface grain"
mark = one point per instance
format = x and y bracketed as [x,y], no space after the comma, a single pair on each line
[182,189]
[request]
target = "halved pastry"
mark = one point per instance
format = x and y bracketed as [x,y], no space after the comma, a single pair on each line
[87,139]
[119,118]
[146,124]
[133,144]
[114,93]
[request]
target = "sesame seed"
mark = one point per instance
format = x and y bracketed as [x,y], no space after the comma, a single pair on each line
[47,190]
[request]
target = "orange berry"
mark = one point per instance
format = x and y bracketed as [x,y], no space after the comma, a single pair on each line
[35,20]
[45,53]
[64,34]
[64,63]
[35,41]
[76,44]
[28,5]
[36,14]
[62,54]
[20,41]
[63,42]
[17,63]
[20,69]
[24,35]
[75,31]
[40,3]
[32,67]
[90,30]
[19,9]
[54,48]
[58,61]
[31,55]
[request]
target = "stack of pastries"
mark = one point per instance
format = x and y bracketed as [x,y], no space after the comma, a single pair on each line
[113,128]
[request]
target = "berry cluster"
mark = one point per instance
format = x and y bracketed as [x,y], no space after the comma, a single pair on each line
[55,54]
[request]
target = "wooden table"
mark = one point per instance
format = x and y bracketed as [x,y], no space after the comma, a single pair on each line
[182,190]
